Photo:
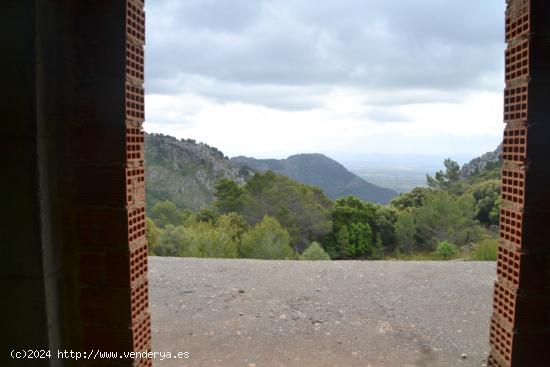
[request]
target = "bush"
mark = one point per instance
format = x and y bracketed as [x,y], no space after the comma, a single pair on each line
[268,240]
[314,252]
[446,250]
[205,240]
[485,250]
[152,234]
[197,240]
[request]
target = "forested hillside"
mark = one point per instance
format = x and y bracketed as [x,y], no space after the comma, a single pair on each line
[271,216]
[185,172]
[322,171]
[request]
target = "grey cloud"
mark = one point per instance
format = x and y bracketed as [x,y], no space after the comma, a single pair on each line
[370,45]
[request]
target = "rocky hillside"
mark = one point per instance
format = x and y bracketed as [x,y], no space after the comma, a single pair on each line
[486,162]
[322,171]
[185,172]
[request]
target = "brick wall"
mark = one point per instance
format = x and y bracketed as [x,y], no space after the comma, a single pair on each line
[520,325]
[109,181]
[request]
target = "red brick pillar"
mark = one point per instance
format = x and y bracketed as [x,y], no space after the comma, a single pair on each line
[520,326]
[109,204]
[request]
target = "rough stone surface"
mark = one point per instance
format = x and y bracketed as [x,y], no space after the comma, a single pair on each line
[480,164]
[185,172]
[316,314]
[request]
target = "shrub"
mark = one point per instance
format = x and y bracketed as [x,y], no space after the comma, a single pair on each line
[267,240]
[485,250]
[206,240]
[152,234]
[197,240]
[446,250]
[314,252]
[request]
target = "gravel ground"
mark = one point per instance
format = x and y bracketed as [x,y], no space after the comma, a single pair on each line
[249,313]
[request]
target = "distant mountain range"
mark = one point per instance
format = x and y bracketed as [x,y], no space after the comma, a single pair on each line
[322,171]
[185,172]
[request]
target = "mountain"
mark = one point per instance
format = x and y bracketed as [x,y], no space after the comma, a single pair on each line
[185,172]
[486,162]
[322,171]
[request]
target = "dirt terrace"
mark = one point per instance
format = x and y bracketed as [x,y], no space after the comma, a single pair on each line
[248,313]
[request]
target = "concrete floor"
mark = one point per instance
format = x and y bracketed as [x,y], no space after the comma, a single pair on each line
[248,313]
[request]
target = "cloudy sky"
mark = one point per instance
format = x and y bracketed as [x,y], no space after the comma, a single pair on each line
[270,78]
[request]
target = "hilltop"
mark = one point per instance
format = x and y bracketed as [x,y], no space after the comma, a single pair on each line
[185,172]
[321,171]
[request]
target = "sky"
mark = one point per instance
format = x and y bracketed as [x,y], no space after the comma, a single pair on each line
[271,78]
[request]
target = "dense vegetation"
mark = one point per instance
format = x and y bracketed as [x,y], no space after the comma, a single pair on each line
[185,172]
[274,217]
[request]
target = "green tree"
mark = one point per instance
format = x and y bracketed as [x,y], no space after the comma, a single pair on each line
[165,213]
[229,197]
[205,215]
[383,227]
[173,241]
[485,250]
[152,234]
[446,250]
[302,209]
[412,199]
[352,235]
[494,214]
[405,231]
[314,252]
[341,245]
[233,224]
[208,241]
[378,248]
[200,239]
[445,217]
[360,239]
[267,240]
[444,180]
[487,196]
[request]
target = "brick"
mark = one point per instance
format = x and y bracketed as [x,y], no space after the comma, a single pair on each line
[105,305]
[138,264]
[96,144]
[134,62]
[135,101]
[100,186]
[108,338]
[141,334]
[117,269]
[540,16]
[521,311]
[511,224]
[135,21]
[91,269]
[136,223]
[516,102]
[139,296]
[537,198]
[105,228]
[145,363]
[493,361]
[519,348]
[517,61]
[535,238]
[533,267]
[135,186]
[518,20]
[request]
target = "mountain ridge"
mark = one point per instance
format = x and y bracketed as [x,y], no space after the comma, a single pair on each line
[486,161]
[185,172]
[319,170]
